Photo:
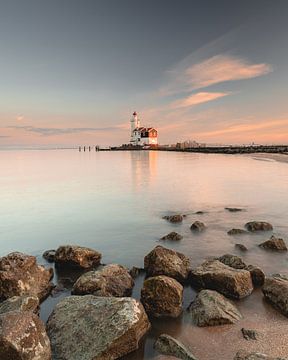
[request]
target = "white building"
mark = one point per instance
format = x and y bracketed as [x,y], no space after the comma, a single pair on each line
[142,135]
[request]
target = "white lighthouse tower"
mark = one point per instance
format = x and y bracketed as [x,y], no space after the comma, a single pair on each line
[135,124]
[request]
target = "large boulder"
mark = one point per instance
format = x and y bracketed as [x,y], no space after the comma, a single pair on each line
[162,296]
[173,236]
[21,275]
[174,219]
[111,280]
[23,337]
[211,308]
[77,256]
[274,244]
[214,275]
[253,226]
[245,355]
[236,262]
[275,290]
[96,328]
[167,345]
[163,261]
[20,303]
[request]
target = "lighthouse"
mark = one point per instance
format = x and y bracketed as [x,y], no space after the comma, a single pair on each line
[135,124]
[142,136]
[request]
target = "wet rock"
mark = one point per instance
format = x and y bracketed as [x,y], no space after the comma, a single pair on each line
[275,290]
[214,275]
[274,244]
[233,261]
[111,280]
[173,236]
[211,308]
[163,261]
[245,355]
[257,275]
[21,275]
[241,247]
[249,334]
[198,226]
[77,256]
[233,209]
[136,271]
[253,226]
[174,218]
[23,337]
[99,327]
[167,345]
[49,255]
[237,232]
[20,303]
[162,296]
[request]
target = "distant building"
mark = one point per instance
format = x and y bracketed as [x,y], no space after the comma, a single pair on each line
[189,144]
[142,136]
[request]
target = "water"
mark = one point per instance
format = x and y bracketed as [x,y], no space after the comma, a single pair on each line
[114,202]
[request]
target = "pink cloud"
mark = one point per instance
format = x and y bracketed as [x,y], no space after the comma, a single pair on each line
[197,98]
[210,71]
[222,68]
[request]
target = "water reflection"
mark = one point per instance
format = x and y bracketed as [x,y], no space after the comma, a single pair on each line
[114,202]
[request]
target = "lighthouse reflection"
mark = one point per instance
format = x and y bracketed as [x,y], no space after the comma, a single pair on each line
[143,168]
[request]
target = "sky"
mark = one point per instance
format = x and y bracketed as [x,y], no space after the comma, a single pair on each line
[73,71]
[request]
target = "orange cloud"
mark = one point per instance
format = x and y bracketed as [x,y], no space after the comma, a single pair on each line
[197,98]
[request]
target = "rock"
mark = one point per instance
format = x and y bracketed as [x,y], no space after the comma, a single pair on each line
[136,271]
[167,345]
[20,303]
[21,275]
[162,296]
[49,255]
[237,232]
[211,308]
[232,209]
[245,355]
[214,275]
[199,212]
[233,261]
[23,337]
[274,244]
[249,334]
[241,247]
[174,218]
[275,290]
[91,327]
[77,256]
[257,275]
[253,226]
[174,236]
[111,280]
[163,261]
[198,226]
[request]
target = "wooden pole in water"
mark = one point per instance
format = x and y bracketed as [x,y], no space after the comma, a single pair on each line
[79,148]
[84,148]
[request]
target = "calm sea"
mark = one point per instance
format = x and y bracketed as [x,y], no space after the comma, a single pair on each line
[114,202]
